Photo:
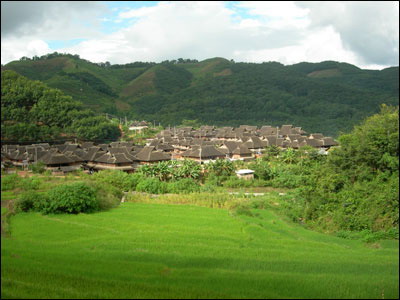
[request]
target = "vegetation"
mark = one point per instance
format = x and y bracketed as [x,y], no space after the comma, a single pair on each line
[357,187]
[222,241]
[31,111]
[143,250]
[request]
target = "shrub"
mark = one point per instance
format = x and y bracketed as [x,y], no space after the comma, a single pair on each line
[9,182]
[208,188]
[183,186]
[38,167]
[234,182]
[152,186]
[221,168]
[133,180]
[107,195]
[30,201]
[71,198]
[117,178]
[30,183]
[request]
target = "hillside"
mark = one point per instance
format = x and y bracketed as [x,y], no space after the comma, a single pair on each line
[328,97]
[31,111]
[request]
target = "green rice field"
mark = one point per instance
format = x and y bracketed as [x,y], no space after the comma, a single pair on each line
[148,250]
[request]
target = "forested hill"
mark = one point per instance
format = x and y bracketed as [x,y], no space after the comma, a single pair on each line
[327,97]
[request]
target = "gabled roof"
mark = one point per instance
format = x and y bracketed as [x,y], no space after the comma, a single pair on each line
[73,156]
[203,152]
[268,131]
[242,150]
[314,142]
[254,142]
[286,129]
[148,154]
[316,135]
[328,141]
[87,144]
[56,159]
[117,158]
[93,153]
[164,147]
[230,146]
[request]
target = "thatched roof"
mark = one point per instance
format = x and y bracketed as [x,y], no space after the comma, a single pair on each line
[203,152]
[116,158]
[56,159]
[149,154]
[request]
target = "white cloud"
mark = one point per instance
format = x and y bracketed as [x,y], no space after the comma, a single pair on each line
[23,47]
[361,33]
[278,14]
[369,29]
[316,47]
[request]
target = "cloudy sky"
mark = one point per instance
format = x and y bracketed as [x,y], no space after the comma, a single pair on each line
[363,33]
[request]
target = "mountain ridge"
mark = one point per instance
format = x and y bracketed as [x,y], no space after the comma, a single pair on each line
[328,96]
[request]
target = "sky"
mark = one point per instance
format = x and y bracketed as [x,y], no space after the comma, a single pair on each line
[362,33]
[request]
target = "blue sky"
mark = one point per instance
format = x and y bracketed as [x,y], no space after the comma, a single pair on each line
[363,33]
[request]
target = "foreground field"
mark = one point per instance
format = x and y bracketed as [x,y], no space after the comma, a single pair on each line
[142,250]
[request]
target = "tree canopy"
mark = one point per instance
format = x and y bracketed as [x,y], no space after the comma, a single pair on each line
[31,111]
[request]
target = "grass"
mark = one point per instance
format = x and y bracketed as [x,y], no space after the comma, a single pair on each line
[151,250]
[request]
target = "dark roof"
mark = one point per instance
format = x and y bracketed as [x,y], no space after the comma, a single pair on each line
[242,150]
[93,153]
[87,144]
[148,153]
[203,152]
[254,142]
[230,146]
[314,142]
[55,159]
[116,158]
[164,147]
[268,130]
[286,129]
[328,141]
[317,135]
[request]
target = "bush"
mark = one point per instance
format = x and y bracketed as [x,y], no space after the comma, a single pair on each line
[9,182]
[38,167]
[183,186]
[152,186]
[234,182]
[71,198]
[208,188]
[117,178]
[30,183]
[133,180]
[29,201]
[107,196]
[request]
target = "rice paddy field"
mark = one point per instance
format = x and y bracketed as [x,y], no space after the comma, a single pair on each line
[158,250]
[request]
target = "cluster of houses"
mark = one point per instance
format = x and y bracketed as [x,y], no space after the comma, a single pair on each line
[202,145]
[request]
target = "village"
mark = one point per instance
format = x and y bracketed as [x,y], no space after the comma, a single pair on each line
[202,145]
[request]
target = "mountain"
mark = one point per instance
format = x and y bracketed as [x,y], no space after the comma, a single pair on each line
[327,97]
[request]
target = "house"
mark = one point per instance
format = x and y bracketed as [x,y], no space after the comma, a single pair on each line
[56,161]
[114,161]
[149,155]
[267,131]
[242,152]
[285,130]
[203,153]
[245,174]
[138,126]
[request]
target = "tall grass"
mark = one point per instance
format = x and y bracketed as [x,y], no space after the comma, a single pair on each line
[151,250]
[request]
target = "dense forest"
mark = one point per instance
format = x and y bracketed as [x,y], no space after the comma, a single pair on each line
[31,111]
[328,97]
